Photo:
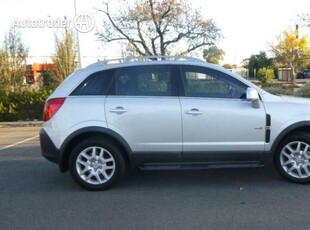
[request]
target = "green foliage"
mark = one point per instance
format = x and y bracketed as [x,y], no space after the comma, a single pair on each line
[23,105]
[13,56]
[278,89]
[266,75]
[257,61]
[304,91]
[48,79]
[213,54]
[65,56]
[4,73]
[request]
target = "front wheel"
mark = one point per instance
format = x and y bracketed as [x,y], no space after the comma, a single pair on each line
[96,164]
[292,158]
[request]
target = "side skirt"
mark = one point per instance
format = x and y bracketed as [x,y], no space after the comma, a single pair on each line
[200,165]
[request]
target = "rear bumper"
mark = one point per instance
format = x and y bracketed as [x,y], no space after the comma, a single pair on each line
[48,149]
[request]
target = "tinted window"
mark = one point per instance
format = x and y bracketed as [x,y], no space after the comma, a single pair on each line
[203,82]
[96,84]
[144,81]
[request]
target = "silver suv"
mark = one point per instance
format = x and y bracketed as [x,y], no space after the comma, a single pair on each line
[170,113]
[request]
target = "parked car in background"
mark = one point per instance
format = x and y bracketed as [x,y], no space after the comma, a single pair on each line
[304,74]
[170,113]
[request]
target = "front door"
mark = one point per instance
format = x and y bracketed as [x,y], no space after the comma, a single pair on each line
[218,122]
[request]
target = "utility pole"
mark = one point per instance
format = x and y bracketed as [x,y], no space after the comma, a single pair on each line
[78,40]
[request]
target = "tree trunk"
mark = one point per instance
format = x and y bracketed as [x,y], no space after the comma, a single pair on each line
[293,73]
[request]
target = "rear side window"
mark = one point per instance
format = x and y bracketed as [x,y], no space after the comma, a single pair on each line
[144,81]
[96,84]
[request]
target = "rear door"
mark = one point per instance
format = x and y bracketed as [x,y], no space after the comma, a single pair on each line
[143,107]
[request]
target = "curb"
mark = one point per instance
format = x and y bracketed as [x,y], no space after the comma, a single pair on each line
[21,123]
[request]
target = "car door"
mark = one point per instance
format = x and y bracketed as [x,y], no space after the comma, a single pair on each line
[143,107]
[218,122]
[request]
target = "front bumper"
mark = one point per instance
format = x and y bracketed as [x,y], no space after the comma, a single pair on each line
[48,149]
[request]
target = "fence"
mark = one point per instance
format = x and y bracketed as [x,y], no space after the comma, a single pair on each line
[284,74]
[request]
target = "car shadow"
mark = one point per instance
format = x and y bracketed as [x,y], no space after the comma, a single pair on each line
[39,175]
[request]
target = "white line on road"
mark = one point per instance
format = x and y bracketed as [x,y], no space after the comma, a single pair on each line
[20,142]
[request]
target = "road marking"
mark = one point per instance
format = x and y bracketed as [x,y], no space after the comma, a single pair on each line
[17,143]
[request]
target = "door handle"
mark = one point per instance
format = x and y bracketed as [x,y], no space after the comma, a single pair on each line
[118,110]
[193,112]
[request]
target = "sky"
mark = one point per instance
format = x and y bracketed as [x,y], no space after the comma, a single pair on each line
[248,26]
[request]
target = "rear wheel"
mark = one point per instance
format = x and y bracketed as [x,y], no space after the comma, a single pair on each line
[292,158]
[96,164]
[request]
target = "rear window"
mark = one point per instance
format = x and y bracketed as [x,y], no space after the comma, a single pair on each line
[144,81]
[96,84]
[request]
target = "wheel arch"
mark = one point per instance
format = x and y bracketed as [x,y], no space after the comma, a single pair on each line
[88,132]
[303,126]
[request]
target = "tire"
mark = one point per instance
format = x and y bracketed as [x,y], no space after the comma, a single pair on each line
[96,164]
[292,158]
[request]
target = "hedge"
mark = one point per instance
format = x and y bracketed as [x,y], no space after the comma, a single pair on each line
[304,91]
[278,89]
[266,75]
[23,105]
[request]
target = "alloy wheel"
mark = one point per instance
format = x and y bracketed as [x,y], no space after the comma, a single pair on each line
[95,165]
[294,159]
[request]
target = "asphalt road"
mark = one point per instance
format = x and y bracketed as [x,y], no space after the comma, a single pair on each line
[35,195]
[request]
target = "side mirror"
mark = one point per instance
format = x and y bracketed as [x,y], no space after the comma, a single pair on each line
[252,95]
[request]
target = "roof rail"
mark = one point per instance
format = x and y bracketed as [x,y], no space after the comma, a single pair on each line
[146,58]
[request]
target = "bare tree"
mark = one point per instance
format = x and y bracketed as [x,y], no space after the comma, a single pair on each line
[305,20]
[159,27]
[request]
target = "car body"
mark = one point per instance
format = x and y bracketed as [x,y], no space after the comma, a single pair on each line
[170,113]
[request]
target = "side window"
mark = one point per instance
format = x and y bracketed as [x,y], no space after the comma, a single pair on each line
[144,81]
[96,84]
[203,82]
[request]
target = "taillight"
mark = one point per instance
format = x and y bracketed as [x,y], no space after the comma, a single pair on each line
[51,107]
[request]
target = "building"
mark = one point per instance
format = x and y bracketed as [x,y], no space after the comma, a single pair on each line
[35,72]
